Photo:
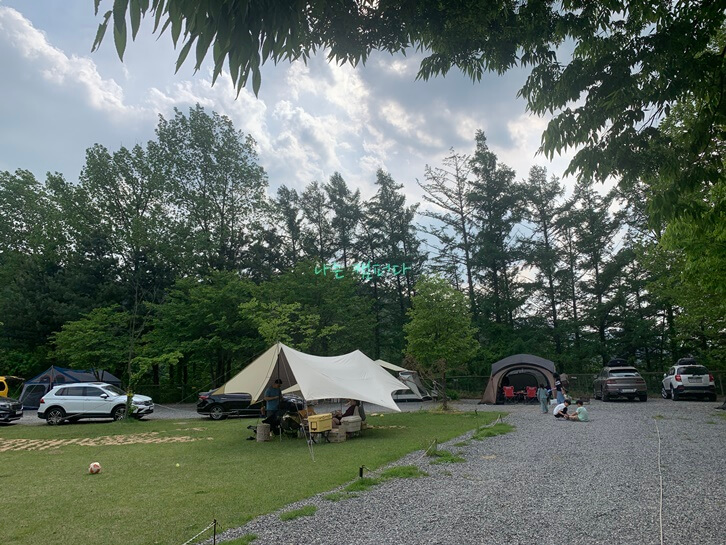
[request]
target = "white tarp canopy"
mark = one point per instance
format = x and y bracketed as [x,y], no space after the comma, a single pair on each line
[353,376]
[382,363]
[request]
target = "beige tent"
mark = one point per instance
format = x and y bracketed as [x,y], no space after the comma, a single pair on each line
[519,370]
[353,376]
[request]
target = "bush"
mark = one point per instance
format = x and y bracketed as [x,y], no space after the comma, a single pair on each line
[453,395]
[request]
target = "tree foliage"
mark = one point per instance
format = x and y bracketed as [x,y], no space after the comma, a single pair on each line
[439,334]
[174,271]
[630,64]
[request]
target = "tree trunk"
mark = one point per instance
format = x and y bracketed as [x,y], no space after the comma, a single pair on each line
[444,396]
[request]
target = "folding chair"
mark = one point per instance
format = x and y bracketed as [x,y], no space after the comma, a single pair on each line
[531,394]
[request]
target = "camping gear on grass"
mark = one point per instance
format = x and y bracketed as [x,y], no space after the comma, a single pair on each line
[320,422]
[263,433]
[336,435]
[350,424]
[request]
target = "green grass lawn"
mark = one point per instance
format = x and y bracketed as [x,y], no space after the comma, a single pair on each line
[143,497]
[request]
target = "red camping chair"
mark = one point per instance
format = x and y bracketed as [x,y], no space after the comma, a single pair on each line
[509,396]
[531,394]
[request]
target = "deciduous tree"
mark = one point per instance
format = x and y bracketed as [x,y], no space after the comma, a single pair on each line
[439,334]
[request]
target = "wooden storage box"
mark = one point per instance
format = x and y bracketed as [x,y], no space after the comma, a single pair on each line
[336,435]
[320,422]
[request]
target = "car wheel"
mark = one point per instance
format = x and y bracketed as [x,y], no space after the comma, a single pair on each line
[55,416]
[216,412]
[643,398]
[665,394]
[674,394]
[119,413]
[712,397]
[604,395]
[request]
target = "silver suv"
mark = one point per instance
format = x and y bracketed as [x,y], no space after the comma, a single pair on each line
[90,400]
[688,378]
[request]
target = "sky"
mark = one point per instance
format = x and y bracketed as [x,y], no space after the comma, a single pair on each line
[57,99]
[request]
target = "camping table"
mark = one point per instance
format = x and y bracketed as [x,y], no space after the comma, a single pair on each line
[323,434]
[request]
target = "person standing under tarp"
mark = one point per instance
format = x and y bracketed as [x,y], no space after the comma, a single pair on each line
[272,406]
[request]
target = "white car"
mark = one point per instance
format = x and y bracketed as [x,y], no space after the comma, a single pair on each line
[688,378]
[90,400]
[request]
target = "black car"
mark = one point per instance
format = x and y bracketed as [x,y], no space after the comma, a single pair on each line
[10,409]
[220,406]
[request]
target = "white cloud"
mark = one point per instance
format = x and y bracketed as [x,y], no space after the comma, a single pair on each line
[59,69]
[409,124]
[403,67]
[309,120]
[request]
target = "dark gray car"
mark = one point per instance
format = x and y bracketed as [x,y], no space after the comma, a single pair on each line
[622,382]
[10,409]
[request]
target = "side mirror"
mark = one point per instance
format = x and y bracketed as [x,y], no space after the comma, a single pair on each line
[665,375]
[104,396]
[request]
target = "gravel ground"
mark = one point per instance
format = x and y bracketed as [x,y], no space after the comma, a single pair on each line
[550,482]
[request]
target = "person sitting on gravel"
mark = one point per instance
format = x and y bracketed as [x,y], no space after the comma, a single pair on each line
[561,409]
[580,415]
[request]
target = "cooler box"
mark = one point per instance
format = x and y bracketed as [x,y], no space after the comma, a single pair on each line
[320,422]
[350,424]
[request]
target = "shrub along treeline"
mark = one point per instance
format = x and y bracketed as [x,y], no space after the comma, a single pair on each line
[168,264]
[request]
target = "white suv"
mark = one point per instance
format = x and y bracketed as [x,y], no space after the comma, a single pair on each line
[688,378]
[90,400]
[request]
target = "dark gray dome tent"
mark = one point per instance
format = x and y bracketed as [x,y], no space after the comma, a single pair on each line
[38,386]
[519,371]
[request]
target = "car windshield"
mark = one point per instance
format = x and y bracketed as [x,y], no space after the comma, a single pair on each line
[693,370]
[624,373]
[114,390]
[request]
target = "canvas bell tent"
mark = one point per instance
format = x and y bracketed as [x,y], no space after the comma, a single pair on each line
[38,386]
[351,376]
[520,370]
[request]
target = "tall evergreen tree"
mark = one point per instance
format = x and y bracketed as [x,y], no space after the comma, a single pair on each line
[317,235]
[498,207]
[541,250]
[287,209]
[595,241]
[347,213]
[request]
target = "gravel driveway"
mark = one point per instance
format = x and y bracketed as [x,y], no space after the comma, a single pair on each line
[550,482]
